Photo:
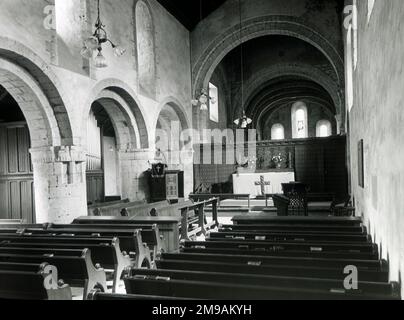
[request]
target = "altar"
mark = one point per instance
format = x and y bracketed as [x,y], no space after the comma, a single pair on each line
[260,183]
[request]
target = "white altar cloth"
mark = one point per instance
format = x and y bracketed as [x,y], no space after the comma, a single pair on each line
[247,183]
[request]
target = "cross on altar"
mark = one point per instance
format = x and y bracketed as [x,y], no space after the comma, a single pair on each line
[262,183]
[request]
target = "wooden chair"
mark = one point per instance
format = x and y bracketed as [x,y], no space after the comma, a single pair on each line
[340,207]
[297,194]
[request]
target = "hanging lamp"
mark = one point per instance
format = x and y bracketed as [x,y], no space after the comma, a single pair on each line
[94,43]
[243,122]
[203,99]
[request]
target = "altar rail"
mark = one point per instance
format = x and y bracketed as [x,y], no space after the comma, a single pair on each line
[320,163]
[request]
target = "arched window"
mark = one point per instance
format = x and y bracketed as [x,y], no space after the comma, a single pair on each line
[145,48]
[349,68]
[214,103]
[371,4]
[355,33]
[300,128]
[277,132]
[323,129]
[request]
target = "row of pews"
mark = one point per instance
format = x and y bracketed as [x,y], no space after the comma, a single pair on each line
[92,254]
[269,258]
[257,257]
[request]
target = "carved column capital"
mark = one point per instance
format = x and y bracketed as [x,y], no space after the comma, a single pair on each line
[53,154]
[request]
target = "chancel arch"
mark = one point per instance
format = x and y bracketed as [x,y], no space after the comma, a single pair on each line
[258,27]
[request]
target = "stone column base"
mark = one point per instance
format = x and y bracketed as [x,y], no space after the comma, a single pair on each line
[59,184]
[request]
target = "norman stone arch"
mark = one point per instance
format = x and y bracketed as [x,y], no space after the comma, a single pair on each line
[118,96]
[22,72]
[258,27]
[56,161]
[171,117]
[177,108]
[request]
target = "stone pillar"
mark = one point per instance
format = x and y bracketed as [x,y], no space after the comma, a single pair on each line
[340,124]
[187,163]
[59,184]
[133,164]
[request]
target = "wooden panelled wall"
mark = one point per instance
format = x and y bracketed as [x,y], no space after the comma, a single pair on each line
[16,178]
[95,172]
[318,162]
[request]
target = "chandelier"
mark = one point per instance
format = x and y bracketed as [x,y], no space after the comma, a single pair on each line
[203,100]
[243,122]
[95,42]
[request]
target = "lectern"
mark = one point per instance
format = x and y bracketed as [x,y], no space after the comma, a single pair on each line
[168,186]
[174,185]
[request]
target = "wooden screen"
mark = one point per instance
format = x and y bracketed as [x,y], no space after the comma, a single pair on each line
[95,172]
[319,163]
[16,177]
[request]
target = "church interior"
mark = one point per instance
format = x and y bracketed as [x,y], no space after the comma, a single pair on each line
[201,149]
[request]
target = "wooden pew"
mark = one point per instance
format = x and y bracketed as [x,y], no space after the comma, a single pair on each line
[139,209]
[96,295]
[75,267]
[326,285]
[25,281]
[130,241]
[340,264]
[307,262]
[301,228]
[301,246]
[97,208]
[200,197]
[288,236]
[230,291]
[11,221]
[284,249]
[196,213]
[168,227]
[157,209]
[264,220]
[143,234]
[20,226]
[105,252]
[275,270]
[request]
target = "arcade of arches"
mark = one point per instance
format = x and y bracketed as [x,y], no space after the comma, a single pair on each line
[72,134]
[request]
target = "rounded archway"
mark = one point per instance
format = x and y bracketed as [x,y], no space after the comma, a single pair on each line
[118,131]
[293,70]
[33,86]
[37,89]
[130,108]
[258,27]
[170,124]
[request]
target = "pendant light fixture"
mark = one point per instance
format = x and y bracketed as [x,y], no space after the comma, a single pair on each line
[243,122]
[94,43]
[203,99]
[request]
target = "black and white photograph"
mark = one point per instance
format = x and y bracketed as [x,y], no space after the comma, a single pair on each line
[197,157]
